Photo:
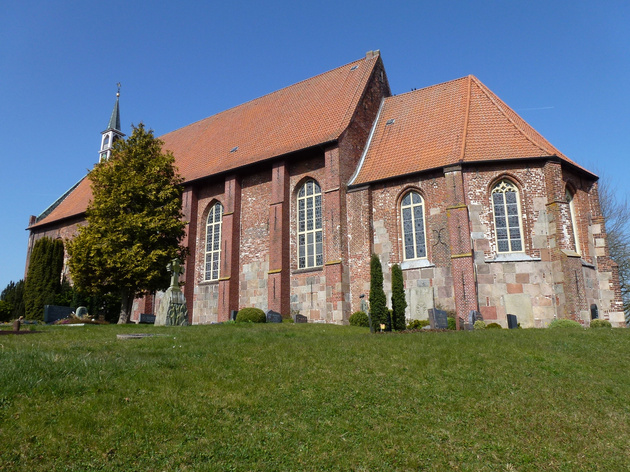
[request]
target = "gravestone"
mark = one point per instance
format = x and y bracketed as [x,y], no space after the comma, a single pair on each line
[146,318]
[273,317]
[300,318]
[81,311]
[233,314]
[438,319]
[54,313]
[512,321]
[172,310]
[473,317]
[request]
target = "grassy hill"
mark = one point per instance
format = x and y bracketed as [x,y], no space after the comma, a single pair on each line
[314,397]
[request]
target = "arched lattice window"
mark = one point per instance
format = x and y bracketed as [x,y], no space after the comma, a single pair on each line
[213,242]
[412,217]
[507,217]
[310,235]
[576,235]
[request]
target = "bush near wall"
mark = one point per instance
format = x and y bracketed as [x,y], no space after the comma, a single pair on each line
[563,323]
[600,324]
[252,315]
[359,318]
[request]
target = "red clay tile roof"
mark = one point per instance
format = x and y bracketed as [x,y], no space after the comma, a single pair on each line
[454,122]
[311,112]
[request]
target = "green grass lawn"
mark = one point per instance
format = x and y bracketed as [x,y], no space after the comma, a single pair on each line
[314,397]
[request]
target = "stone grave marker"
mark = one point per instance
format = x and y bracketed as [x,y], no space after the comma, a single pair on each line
[438,319]
[53,313]
[273,317]
[300,319]
[512,321]
[81,311]
[146,318]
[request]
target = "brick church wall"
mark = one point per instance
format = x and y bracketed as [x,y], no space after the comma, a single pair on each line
[206,294]
[254,249]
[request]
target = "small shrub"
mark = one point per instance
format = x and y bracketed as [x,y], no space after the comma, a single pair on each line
[418,324]
[359,318]
[288,320]
[479,324]
[252,315]
[451,323]
[494,326]
[600,324]
[564,323]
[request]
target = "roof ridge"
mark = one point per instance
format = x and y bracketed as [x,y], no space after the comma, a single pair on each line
[465,132]
[498,102]
[268,94]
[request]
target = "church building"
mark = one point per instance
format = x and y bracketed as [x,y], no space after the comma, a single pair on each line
[288,196]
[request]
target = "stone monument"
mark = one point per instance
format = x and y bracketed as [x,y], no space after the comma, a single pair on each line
[172,310]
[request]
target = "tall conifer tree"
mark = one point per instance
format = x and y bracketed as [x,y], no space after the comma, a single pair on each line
[43,279]
[378,300]
[399,303]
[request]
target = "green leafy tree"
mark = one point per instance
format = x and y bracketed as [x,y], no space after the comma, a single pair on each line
[378,301]
[13,296]
[43,279]
[616,213]
[134,223]
[399,302]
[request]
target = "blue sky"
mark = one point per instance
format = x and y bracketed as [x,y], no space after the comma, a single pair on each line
[563,66]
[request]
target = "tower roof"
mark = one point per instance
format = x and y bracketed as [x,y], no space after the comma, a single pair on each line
[114,120]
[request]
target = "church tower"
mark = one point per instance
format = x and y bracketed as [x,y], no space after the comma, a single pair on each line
[112,133]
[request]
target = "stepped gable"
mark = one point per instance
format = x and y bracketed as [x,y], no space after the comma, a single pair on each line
[450,123]
[315,111]
[312,112]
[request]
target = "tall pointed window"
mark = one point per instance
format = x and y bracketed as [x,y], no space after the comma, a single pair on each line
[310,235]
[574,227]
[412,217]
[507,217]
[213,242]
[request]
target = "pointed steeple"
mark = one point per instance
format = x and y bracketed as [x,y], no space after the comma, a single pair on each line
[114,120]
[113,132]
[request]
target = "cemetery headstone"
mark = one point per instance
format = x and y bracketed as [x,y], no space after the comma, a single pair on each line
[81,311]
[172,310]
[273,317]
[300,318]
[146,318]
[512,321]
[438,319]
[54,313]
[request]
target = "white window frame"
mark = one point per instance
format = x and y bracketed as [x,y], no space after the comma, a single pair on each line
[502,211]
[310,236]
[214,223]
[570,197]
[418,248]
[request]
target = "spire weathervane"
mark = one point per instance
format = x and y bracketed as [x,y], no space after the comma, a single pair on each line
[118,93]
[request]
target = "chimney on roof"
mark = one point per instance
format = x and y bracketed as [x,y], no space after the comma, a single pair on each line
[372,54]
